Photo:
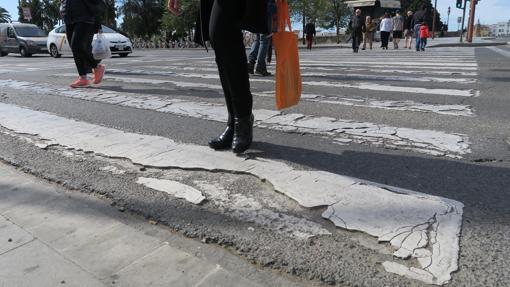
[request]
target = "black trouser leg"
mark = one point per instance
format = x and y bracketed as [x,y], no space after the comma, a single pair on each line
[79,36]
[227,41]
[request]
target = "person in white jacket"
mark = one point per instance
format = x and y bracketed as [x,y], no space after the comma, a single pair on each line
[386,28]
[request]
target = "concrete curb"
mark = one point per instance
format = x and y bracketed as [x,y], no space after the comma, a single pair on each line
[468,45]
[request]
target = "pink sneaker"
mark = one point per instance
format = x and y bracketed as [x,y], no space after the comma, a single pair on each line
[80,83]
[99,73]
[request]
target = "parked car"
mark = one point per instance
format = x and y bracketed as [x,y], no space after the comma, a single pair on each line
[25,39]
[58,44]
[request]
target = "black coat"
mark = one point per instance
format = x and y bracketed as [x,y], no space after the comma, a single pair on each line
[83,11]
[254,18]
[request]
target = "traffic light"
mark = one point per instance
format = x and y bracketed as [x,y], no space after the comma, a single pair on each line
[459,4]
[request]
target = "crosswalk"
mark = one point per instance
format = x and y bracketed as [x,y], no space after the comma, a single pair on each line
[382,100]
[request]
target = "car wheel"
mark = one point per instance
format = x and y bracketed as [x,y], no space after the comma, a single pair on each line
[3,54]
[23,52]
[123,55]
[54,51]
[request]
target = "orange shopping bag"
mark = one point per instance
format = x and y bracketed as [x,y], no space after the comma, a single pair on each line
[288,75]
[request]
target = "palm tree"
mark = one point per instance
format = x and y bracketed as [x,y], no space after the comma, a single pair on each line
[4,16]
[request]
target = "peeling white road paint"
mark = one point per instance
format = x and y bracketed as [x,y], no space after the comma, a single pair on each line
[355,85]
[247,208]
[113,170]
[435,64]
[381,211]
[418,73]
[173,188]
[392,78]
[453,110]
[424,141]
[371,65]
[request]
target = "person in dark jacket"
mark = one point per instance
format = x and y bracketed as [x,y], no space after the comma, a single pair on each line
[221,22]
[310,33]
[357,26]
[82,19]
[260,47]
[418,18]
[408,30]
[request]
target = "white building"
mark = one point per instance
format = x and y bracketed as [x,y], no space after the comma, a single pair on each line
[501,29]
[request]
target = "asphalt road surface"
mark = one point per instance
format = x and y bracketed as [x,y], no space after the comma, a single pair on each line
[394,169]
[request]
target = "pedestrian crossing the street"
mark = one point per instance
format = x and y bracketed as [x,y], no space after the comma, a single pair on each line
[388,101]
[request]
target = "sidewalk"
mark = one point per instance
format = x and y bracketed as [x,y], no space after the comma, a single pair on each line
[52,237]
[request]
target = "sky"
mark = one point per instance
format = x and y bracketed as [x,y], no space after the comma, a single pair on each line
[488,11]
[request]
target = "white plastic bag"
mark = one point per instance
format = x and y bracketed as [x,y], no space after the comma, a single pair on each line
[101,47]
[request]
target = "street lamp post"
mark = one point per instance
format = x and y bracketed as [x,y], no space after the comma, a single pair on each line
[448,21]
[434,21]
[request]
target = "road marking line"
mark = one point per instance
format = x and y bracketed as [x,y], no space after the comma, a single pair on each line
[359,86]
[408,220]
[339,130]
[500,51]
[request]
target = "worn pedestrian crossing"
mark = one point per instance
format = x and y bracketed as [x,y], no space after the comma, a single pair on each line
[393,101]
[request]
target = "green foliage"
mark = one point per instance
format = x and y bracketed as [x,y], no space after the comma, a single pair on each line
[142,17]
[4,15]
[415,5]
[45,13]
[325,13]
[110,17]
[183,24]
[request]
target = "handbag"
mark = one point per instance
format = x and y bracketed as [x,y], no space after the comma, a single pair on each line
[288,76]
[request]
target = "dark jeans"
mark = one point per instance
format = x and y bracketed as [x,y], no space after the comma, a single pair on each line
[385,37]
[423,43]
[259,49]
[357,37]
[79,36]
[417,35]
[227,41]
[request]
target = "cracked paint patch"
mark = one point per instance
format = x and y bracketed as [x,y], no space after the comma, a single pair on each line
[174,188]
[423,228]
[113,170]
[250,209]
[419,226]
[360,86]
[430,142]
[453,110]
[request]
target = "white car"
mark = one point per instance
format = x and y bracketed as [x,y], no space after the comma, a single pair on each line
[58,44]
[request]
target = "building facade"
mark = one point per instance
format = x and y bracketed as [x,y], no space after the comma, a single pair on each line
[501,29]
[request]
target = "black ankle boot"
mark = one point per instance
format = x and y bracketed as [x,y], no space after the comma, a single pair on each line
[224,140]
[251,68]
[243,134]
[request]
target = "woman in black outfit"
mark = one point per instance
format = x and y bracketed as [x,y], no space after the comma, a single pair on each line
[82,19]
[220,23]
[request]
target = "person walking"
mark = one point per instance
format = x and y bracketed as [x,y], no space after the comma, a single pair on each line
[418,18]
[83,19]
[356,25]
[310,33]
[424,35]
[260,47]
[408,30]
[386,27]
[220,23]
[368,33]
[398,28]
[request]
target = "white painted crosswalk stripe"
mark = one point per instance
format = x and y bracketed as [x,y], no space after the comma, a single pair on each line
[331,84]
[339,130]
[351,202]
